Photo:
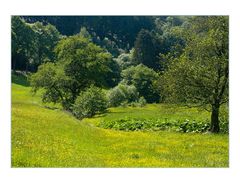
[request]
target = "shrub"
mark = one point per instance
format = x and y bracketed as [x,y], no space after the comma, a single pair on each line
[142,101]
[122,95]
[89,103]
[139,103]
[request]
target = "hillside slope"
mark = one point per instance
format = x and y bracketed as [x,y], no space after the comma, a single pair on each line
[48,137]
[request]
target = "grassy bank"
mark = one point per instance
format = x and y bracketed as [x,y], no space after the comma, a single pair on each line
[47,137]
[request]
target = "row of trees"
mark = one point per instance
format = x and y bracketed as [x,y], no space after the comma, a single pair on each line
[180,60]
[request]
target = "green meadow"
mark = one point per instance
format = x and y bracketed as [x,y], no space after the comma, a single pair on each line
[46,136]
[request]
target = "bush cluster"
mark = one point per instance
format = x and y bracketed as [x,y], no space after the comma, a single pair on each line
[94,101]
[134,124]
[123,95]
[89,103]
[141,102]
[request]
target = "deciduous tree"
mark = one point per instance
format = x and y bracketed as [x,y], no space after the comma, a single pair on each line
[200,75]
[79,64]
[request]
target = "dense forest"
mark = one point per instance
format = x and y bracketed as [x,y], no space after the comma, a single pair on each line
[116,34]
[88,64]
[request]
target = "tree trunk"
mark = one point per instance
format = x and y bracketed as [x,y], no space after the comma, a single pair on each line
[214,119]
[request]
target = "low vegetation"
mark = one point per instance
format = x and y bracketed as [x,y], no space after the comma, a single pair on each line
[89,103]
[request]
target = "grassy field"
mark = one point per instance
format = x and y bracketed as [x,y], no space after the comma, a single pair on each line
[48,137]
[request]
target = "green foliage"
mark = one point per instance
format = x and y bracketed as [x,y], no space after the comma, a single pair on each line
[112,76]
[120,31]
[46,38]
[22,44]
[32,44]
[122,95]
[79,64]
[146,49]
[200,75]
[158,117]
[169,34]
[201,69]
[125,60]
[84,33]
[135,124]
[56,84]
[142,101]
[89,103]
[144,79]
[84,61]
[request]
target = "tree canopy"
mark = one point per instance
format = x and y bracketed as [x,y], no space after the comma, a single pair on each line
[144,79]
[200,75]
[22,44]
[32,44]
[79,64]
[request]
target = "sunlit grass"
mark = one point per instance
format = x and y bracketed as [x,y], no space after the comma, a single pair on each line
[163,112]
[43,137]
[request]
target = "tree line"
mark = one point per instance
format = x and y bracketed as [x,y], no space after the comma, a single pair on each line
[164,59]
